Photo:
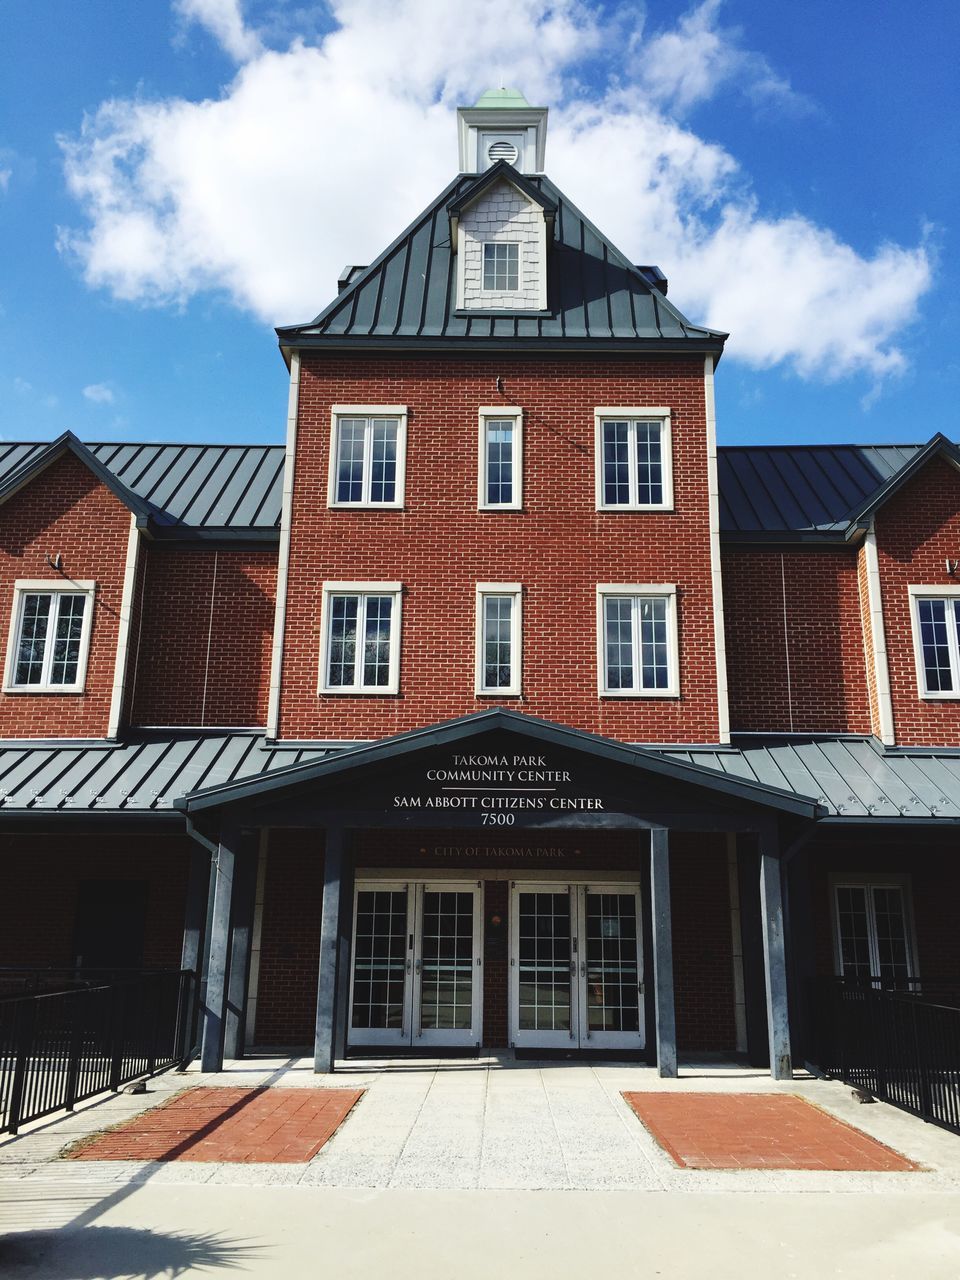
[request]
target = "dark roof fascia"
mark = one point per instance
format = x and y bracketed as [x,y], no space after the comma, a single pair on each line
[937,446]
[499,346]
[109,819]
[839,540]
[471,726]
[487,179]
[68,443]
[897,824]
[187,538]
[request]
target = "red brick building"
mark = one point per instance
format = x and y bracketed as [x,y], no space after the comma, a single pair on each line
[499,707]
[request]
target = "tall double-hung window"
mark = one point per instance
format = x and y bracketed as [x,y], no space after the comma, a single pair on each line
[500,459]
[637,641]
[361,637]
[367,456]
[49,637]
[498,638]
[634,470]
[936,638]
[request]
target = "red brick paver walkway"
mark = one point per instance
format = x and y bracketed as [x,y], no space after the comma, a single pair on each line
[758,1131]
[230,1125]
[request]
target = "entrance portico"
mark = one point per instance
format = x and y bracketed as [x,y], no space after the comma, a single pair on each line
[405,946]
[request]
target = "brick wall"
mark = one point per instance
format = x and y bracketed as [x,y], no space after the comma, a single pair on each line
[794,636]
[559,547]
[202,655]
[916,531]
[290,939]
[65,510]
[41,881]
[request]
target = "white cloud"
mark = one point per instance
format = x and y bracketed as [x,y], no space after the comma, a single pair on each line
[99,393]
[5,176]
[318,154]
[681,67]
[224,20]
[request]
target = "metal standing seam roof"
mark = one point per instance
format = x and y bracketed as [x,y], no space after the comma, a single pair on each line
[595,293]
[766,492]
[190,486]
[851,777]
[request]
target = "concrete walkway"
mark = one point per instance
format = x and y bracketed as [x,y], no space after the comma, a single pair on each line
[463,1169]
[494,1124]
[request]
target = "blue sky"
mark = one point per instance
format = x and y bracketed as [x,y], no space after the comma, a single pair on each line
[177,178]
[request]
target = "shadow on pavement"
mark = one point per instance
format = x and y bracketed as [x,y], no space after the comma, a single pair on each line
[102,1253]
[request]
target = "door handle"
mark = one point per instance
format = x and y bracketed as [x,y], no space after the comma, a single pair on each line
[409,966]
[417,968]
[583,968]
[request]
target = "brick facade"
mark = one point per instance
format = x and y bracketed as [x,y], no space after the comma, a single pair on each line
[917,530]
[794,633]
[202,652]
[66,511]
[559,547]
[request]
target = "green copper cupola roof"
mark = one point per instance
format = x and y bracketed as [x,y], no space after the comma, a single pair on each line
[499,98]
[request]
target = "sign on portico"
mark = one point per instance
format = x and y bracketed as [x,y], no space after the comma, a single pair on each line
[495,787]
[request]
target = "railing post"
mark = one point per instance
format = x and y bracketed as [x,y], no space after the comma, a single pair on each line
[923,1075]
[117,1010]
[76,1043]
[155,980]
[26,1021]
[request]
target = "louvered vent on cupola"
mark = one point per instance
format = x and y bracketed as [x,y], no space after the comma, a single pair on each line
[503,151]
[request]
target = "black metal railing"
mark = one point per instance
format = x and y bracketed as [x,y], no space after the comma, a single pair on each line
[898,1041]
[60,1047]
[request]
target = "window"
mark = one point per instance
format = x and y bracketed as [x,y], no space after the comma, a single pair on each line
[498,638]
[936,638]
[367,456]
[49,637]
[501,267]
[872,930]
[361,637]
[637,641]
[500,459]
[633,460]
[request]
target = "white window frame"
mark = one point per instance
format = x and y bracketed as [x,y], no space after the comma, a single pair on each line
[494,413]
[515,590]
[869,881]
[661,415]
[667,591]
[23,587]
[338,411]
[330,589]
[915,595]
[483,265]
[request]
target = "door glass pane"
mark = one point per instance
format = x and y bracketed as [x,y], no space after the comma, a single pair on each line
[544,961]
[854,934]
[612,962]
[446,976]
[380,954]
[891,933]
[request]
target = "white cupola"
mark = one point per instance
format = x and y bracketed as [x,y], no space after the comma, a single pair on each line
[502,126]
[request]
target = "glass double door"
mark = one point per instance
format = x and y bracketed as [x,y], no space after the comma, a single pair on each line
[576,966]
[416,973]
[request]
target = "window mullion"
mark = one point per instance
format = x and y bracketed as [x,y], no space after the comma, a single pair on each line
[953,645]
[366,492]
[871,906]
[632,478]
[53,622]
[637,656]
[361,642]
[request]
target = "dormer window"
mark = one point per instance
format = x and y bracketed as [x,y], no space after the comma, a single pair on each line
[501,267]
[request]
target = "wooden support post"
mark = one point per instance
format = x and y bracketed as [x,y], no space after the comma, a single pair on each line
[218,956]
[663,952]
[323,1049]
[774,957]
[241,936]
[345,942]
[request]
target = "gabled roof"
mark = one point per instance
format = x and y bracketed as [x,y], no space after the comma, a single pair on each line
[335,767]
[183,489]
[47,454]
[937,447]
[501,171]
[803,492]
[597,298]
